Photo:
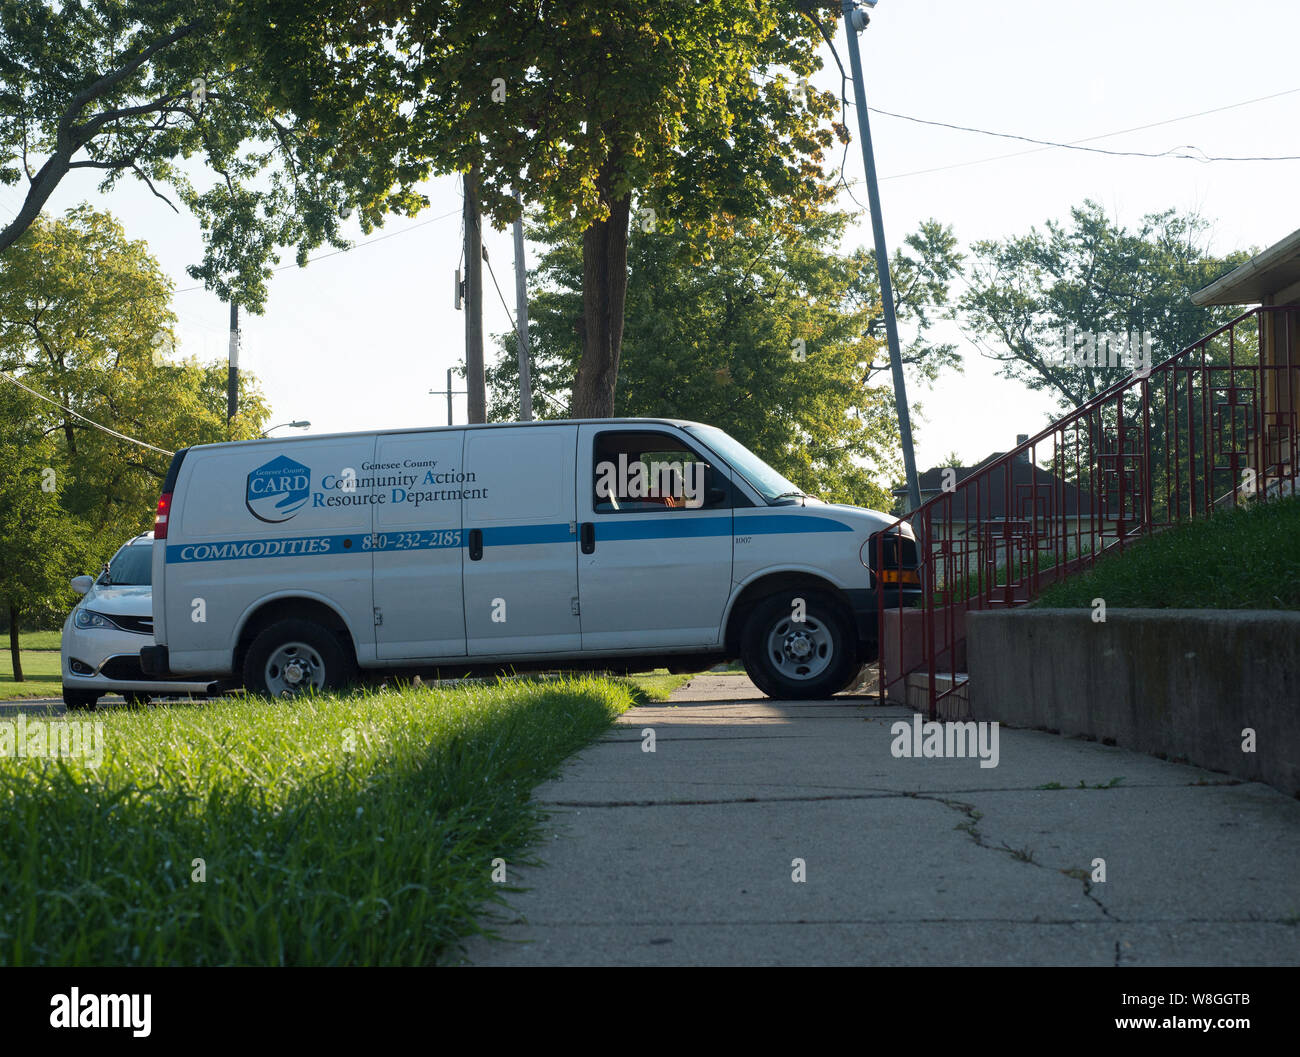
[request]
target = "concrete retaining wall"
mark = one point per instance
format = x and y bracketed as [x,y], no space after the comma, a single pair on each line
[1181,683]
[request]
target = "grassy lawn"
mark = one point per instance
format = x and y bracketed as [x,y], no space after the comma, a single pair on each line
[39,652]
[1248,558]
[336,830]
[36,640]
[657,685]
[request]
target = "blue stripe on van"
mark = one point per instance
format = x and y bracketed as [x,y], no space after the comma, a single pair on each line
[774,524]
[672,526]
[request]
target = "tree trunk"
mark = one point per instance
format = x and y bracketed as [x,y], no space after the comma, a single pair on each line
[604,293]
[13,643]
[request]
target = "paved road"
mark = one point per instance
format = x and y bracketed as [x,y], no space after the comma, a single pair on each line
[684,855]
[54,705]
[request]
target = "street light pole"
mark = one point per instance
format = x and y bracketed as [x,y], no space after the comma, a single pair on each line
[855,20]
[296,424]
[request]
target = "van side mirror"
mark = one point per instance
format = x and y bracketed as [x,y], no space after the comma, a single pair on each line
[715,496]
[82,584]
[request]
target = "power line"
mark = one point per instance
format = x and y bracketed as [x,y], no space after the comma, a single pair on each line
[1076,145]
[1089,139]
[345,249]
[1045,144]
[78,414]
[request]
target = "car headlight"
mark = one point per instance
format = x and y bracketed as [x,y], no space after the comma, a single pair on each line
[88,618]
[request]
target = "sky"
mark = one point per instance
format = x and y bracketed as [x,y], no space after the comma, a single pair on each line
[357,340]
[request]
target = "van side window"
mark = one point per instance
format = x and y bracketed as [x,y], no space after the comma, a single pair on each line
[642,472]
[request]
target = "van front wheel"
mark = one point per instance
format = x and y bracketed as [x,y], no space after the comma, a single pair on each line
[294,657]
[798,648]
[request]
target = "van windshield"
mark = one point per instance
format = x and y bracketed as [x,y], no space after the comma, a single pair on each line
[131,566]
[766,481]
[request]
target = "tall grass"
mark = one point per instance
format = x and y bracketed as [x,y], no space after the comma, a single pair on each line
[335,830]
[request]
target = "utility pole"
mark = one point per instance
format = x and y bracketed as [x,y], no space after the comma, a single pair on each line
[474,301]
[855,21]
[232,370]
[450,393]
[521,318]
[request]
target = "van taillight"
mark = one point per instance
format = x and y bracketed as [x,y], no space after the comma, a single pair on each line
[160,521]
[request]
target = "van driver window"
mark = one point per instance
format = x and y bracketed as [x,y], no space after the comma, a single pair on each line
[644,472]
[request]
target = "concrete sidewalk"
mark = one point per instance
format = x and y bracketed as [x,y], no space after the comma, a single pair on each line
[683,856]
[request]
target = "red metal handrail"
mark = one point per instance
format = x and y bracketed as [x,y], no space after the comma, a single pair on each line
[1210,426]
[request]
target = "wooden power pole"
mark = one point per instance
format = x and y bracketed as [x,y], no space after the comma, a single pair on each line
[474,381]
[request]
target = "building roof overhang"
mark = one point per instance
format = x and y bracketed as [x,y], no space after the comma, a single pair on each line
[1270,277]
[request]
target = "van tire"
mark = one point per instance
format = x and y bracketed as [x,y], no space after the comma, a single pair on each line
[772,641]
[83,699]
[323,662]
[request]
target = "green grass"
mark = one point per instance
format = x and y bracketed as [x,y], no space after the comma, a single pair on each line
[657,685]
[39,653]
[1247,558]
[36,640]
[42,676]
[335,830]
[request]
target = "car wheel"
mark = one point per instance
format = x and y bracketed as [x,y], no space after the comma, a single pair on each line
[295,657]
[789,658]
[84,699]
[135,699]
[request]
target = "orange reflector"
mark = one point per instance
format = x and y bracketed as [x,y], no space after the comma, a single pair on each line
[900,576]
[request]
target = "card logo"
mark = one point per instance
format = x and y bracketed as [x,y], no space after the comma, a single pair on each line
[278,490]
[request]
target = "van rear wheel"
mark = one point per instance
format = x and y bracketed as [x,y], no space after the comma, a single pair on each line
[293,657]
[798,652]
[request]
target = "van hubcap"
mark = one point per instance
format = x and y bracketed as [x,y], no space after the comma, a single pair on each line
[800,649]
[294,668]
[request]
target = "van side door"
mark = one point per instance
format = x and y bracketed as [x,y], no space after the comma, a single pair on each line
[520,556]
[416,544]
[655,523]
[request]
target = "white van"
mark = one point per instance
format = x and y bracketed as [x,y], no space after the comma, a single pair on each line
[612,543]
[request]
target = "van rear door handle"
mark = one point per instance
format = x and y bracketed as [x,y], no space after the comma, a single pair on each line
[588,537]
[475,544]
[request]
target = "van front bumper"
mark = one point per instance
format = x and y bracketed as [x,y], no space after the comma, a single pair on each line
[865,603]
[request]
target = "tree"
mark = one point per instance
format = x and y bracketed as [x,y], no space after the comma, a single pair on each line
[140,88]
[767,337]
[590,108]
[85,321]
[1092,277]
[41,545]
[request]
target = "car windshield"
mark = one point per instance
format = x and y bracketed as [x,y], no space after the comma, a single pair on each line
[765,480]
[131,566]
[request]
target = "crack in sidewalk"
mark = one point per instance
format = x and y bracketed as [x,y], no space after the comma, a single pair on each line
[1026,854]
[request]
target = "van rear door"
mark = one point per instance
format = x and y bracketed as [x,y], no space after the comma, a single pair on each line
[520,557]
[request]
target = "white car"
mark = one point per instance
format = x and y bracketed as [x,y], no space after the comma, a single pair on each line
[103,635]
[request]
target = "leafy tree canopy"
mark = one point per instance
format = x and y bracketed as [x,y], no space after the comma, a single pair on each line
[141,88]
[85,321]
[1092,276]
[767,336]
